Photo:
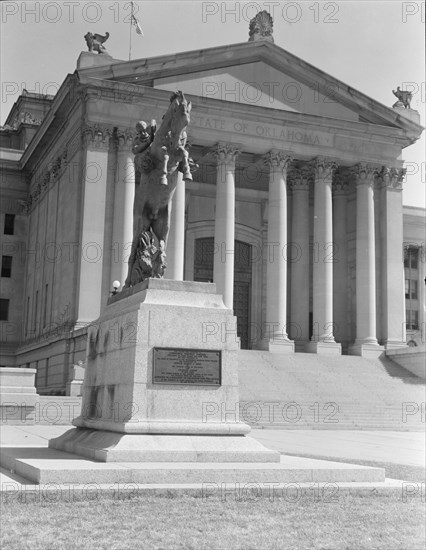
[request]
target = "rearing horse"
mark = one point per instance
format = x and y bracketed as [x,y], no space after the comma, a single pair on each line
[155,191]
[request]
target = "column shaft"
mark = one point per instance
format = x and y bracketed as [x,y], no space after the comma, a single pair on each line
[276,269]
[299,316]
[393,297]
[89,297]
[323,258]
[340,273]
[124,196]
[224,234]
[176,241]
[365,259]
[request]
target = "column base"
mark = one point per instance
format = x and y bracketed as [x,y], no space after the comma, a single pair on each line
[300,345]
[278,345]
[370,351]
[323,348]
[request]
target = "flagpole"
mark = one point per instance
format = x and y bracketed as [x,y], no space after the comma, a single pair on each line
[130,32]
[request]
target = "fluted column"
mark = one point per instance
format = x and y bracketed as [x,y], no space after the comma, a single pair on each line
[366,342]
[299,312]
[176,242]
[124,196]
[89,298]
[393,297]
[323,257]
[276,268]
[224,232]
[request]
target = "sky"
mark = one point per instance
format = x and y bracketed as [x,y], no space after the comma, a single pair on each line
[373,46]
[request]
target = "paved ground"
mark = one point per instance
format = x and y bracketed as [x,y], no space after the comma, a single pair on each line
[397,447]
[386,446]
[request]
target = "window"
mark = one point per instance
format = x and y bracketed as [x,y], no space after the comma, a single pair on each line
[410,289]
[412,318]
[6,266]
[411,257]
[9,224]
[4,309]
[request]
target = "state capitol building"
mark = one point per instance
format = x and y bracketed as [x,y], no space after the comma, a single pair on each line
[295,211]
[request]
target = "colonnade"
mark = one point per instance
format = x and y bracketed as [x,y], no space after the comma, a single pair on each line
[329,278]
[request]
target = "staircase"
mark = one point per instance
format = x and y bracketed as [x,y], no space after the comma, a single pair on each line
[309,391]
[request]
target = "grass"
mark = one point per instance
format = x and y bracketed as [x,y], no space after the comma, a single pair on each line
[298,519]
[352,520]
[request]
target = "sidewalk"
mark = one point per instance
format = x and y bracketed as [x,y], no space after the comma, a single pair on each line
[406,448]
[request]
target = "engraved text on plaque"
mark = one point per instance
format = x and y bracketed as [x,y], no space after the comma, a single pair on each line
[187,366]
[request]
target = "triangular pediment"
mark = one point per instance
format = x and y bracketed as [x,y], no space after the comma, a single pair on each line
[258,84]
[260,74]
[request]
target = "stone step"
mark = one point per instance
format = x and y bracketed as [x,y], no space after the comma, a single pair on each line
[366,393]
[41,466]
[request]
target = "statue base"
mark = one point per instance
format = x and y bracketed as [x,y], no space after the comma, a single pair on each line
[90,59]
[411,114]
[161,380]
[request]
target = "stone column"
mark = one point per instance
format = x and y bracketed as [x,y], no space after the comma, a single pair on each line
[340,265]
[224,232]
[393,297]
[124,196]
[366,341]
[276,268]
[299,312]
[323,257]
[176,242]
[89,292]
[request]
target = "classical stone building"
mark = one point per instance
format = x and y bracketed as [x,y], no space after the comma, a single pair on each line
[295,211]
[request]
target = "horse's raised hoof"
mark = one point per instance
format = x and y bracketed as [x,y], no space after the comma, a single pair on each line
[187,176]
[163,180]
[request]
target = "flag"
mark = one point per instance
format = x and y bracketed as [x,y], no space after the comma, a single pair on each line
[135,22]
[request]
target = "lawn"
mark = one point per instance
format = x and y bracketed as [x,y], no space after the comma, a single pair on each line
[348,520]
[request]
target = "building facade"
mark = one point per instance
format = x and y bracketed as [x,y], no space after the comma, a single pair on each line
[295,211]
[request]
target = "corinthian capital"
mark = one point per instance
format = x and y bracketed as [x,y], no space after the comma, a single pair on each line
[277,160]
[341,183]
[225,153]
[123,137]
[97,137]
[364,173]
[300,179]
[323,167]
[392,177]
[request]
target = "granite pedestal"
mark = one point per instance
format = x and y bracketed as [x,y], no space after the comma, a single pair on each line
[161,381]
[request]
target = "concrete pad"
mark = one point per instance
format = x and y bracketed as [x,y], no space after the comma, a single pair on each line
[51,466]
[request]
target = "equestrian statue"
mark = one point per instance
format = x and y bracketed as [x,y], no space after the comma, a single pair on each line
[159,155]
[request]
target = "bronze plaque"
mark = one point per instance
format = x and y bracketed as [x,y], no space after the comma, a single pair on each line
[198,367]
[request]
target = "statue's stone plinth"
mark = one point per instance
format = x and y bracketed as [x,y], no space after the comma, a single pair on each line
[413,115]
[184,409]
[90,59]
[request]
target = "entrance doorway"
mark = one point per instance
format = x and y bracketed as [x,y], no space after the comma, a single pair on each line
[203,272]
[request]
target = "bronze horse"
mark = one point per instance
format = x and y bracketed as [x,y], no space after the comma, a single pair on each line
[155,191]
